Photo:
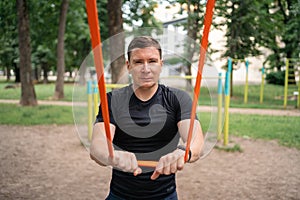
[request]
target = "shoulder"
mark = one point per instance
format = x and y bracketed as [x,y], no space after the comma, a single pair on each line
[170,91]
[121,91]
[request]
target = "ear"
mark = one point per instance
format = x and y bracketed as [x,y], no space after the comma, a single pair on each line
[161,64]
[128,66]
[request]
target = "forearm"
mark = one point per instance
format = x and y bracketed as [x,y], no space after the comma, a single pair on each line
[197,141]
[122,160]
[99,149]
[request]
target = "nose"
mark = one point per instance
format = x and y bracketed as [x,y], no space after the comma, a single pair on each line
[146,67]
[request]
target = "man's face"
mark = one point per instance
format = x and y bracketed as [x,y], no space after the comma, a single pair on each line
[145,67]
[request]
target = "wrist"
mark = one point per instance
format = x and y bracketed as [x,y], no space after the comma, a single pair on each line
[183,147]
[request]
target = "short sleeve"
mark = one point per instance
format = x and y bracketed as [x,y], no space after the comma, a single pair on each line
[99,117]
[184,102]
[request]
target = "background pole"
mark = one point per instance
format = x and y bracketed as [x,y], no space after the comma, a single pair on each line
[227,101]
[90,109]
[286,82]
[246,84]
[220,91]
[261,98]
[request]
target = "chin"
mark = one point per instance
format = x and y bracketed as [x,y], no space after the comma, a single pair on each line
[147,85]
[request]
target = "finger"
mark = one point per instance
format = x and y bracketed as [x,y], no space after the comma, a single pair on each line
[137,171]
[134,165]
[155,175]
[166,169]
[158,170]
[173,167]
[180,163]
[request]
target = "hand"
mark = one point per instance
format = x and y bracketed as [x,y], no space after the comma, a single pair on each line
[169,163]
[125,161]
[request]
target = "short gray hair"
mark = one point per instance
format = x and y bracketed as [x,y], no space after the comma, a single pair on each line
[143,42]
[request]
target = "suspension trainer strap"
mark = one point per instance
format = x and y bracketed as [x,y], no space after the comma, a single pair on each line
[203,48]
[92,13]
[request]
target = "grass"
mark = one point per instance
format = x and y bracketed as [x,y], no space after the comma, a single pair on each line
[272,97]
[12,114]
[43,91]
[283,129]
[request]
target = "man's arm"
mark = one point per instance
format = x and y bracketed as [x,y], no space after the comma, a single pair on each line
[197,137]
[99,149]
[122,160]
[174,161]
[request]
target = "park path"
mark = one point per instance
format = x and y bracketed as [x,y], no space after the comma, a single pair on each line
[253,111]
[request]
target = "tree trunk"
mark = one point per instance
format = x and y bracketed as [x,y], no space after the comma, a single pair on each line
[59,87]
[117,44]
[45,72]
[28,96]
[17,73]
[193,28]
[7,74]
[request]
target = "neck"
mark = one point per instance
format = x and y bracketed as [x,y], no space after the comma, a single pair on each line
[145,94]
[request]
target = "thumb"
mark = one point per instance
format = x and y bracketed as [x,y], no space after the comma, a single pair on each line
[137,171]
[155,175]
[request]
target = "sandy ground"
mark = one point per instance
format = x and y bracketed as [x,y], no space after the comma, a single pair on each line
[49,162]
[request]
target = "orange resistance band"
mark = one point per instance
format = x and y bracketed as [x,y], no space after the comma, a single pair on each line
[98,59]
[91,7]
[204,43]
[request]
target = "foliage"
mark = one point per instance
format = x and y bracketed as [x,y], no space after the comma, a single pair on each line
[279,28]
[240,19]
[8,33]
[139,13]
[276,78]
[44,29]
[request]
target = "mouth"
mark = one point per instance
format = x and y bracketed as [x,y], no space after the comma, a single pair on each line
[146,79]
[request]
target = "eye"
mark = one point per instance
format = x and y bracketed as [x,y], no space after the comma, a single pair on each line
[137,62]
[153,61]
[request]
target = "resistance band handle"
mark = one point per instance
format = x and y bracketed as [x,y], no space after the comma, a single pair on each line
[153,164]
[147,163]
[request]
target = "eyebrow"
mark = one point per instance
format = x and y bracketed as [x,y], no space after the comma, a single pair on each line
[139,59]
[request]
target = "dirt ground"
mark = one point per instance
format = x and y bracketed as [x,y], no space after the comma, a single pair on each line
[49,162]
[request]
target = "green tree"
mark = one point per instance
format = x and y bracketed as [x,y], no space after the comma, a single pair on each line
[279,28]
[140,13]
[44,27]
[77,36]
[240,19]
[9,38]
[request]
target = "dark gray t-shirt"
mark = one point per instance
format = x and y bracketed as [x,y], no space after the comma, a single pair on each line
[148,129]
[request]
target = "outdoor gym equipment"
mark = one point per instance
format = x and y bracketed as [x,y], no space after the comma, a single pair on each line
[288,71]
[227,101]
